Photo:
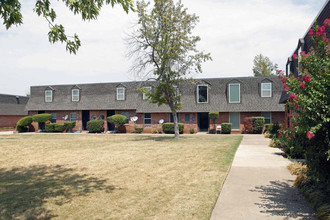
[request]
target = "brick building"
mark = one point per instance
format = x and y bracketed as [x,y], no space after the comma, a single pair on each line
[233,98]
[12,108]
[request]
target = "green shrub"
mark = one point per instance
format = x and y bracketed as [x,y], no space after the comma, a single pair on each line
[95,126]
[168,128]
[69,125]
[42,117]
[54,127]
[268,128]
[258,124]
[154,131]
[138,130]
[23,124]
[248,125]
[192,130]
[117,120]
[226,128]
[274,131]
[213,115]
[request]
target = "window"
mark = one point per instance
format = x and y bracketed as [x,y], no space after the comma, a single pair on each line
[187,117]
[94,117]
[120,93]
[202,94]
[266,90]
[147,118]
[267,116]
[73,116]
[48,96]
[234,93]
[53,120]
[148,89]
[102,117]
[126,114]
[234,119]
[172,119]
[75,95]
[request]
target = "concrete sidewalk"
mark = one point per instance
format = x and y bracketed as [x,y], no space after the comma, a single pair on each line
[259,186]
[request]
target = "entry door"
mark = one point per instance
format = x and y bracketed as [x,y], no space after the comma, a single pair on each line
[85,119]
[203,121]
[234,118]
[111,127]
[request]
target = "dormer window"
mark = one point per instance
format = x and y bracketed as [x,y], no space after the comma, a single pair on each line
[234,93]
[75,95]
[48,96]
[202,94]
[121,93]
[266,89]
[148,89]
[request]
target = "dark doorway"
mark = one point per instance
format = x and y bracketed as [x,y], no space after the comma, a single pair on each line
[85,118]
[203,121]
[41,125]
[111,127]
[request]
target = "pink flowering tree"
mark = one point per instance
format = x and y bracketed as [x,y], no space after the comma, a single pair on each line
[309,100]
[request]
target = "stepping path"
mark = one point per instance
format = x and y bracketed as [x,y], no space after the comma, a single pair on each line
[259,186]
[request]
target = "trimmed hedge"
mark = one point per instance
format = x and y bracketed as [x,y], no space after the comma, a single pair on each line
[42,117]
[54,127]
[69,125]
[95,126]
[118,120]
[213,115]
[268,128]
[138,130]
[25,121]
[258,124]
[226,128]
[168,128]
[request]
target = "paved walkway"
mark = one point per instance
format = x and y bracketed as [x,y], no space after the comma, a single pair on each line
[6,132]
[259,186]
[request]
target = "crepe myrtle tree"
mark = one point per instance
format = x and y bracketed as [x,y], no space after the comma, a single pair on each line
[163,47]
[10,12]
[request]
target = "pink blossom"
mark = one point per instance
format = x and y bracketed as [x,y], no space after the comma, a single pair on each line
[285,87]
[310,135]
[310,32]
[326,22]
[283,80]
[307,78]
[295,56]
[302,85]
[292,96]
[326,40]
[296,106]
[320,31]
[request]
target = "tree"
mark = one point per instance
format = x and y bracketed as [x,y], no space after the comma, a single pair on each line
[165,48]
[263,66]
[10,12]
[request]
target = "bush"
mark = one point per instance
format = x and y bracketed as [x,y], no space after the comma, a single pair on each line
[69,125]
[95,126]
[23,124]
[40,118]
[54,127]
[138,130]
[226,128]
[154,131]
[117,120]
[192,130]
[274,130]
[213,115]
[168,128]
[248,125]
[268,128]
[258,124]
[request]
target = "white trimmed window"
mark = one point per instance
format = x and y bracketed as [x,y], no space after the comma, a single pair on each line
[148,89]
[266,89]
[126,114]
[48,96]
[121,93]
[202,94]
[73,116]
[147,118]
[267,116]
[234,93]
[75,95]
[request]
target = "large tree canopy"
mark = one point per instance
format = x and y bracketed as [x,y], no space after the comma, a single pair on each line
[10,12]
[263,66]
[165,48]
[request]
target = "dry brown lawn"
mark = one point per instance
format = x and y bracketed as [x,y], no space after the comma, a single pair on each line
[78,176]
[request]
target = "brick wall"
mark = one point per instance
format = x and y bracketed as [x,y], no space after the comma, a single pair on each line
[10,120]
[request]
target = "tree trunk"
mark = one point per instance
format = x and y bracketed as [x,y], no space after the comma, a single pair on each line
[176,125]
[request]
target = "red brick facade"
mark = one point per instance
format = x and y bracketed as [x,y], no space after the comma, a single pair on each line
[155,118]
[9,120]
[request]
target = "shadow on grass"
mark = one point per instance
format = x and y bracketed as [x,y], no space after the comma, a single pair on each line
[24,191]
[154,138]
[281,199]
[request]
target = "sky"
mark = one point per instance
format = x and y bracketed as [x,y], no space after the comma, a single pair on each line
[233,31]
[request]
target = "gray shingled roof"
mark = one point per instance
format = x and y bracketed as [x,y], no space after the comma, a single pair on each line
[102,96]
[13,105]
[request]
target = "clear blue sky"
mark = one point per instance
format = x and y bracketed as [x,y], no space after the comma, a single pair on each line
[233,31]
